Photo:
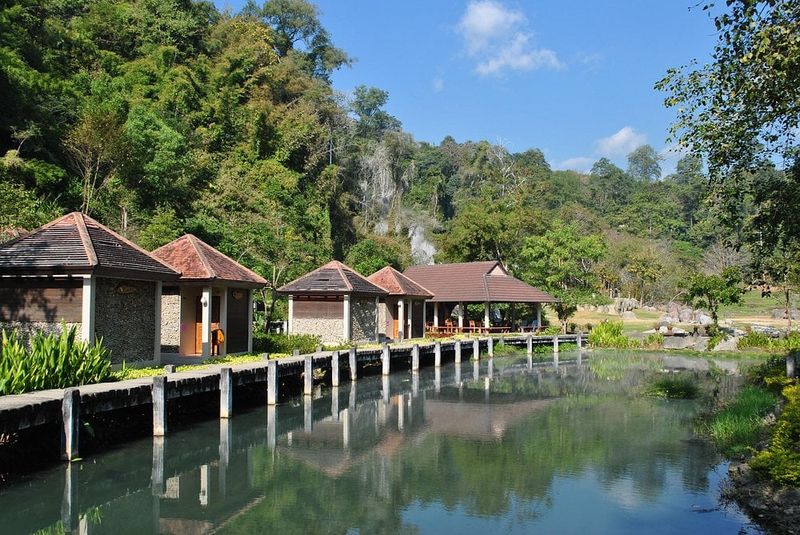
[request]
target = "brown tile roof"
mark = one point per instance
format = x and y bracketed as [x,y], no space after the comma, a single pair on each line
[396,283]
[475,282]
[199,262]
[332,278]
[76,243]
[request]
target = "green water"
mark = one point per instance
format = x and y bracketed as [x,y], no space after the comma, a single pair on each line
[572,449]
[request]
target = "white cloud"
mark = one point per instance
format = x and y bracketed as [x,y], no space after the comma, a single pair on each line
[499,39]
[438,84]
[581,164]
[620,143]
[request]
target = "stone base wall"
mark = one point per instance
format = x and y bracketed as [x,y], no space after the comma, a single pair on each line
[364,317]
[170,323]
[329,330]
[125,318]
[25,330]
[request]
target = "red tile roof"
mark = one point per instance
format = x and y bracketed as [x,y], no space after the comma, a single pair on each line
[199,262]
[334,278]
[396,283]
[77,244]
[475,282]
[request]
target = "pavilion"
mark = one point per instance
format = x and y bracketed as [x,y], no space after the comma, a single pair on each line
[456,285]
[214,292]
[404,295]
[335,303]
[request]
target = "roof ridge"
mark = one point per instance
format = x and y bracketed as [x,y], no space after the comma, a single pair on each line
[86,240]
[214,250]
[397,272]
[339,266]
[486,287]
[212,274]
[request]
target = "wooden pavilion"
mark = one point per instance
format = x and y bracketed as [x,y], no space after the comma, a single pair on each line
[76,271]
[214,293]
[335,303]
[456,285]
[401,314]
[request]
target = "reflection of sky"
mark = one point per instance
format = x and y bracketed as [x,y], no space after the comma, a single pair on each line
[583,504]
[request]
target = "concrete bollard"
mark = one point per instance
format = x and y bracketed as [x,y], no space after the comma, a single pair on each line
[490,346]
[385,360]
[791,363]
[529,342]
[295,352]
[335,369]
[159,406]
[437,353]
[555,360]
[308,375]
[225,393]
[457,349]
[579,340]
[415,358]
[71,417]
[476,349]
[264,356]
[272,382]
[555,344]
[170,368]
[353,364]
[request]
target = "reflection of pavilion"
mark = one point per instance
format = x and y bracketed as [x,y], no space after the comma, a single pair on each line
[479,421]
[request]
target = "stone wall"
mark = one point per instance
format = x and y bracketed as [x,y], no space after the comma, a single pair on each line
[364,317]
[170,323]
[125,318]
[330,330]
[25,329]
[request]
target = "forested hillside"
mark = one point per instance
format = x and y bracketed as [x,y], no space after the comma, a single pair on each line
[160,117]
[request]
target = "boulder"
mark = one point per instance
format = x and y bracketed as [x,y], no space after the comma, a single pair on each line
[704,319]
[686,315]
[628,315]
[729,344]
[780,314]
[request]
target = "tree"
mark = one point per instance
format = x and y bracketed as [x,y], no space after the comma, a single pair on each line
[367,104]
[377,252]
[561,261]
[712,291]
[643,164]
[609,186]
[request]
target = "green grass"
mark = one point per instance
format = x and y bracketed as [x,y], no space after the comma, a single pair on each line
[152,371]
[752,304]
[739,425]
[673,386]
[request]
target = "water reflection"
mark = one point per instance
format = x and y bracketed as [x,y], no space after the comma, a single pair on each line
[510,447]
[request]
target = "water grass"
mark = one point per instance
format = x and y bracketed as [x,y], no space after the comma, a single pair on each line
[740,423]
[673,386]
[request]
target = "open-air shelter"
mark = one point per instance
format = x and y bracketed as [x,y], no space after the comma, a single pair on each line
[401,314]
[456,285]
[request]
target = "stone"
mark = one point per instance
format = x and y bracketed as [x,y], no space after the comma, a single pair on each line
[685,315]
[628,315]
[704,319]
[728,344]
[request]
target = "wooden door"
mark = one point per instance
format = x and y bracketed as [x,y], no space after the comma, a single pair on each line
[395,329]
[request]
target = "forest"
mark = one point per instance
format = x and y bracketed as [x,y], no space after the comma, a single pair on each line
[161,117]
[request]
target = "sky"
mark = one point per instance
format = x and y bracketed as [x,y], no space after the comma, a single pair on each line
[571,78]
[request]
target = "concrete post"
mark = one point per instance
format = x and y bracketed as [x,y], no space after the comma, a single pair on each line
[207,304]
[791,363]
[579,340]
[290,315]
[335,369]
[415,358]
[555,344]
[457,349]
[476,349]
[157,324]
[490,345]
[308,375]
[476,370]
[437,353]
[295,352]
[385,360]
[353,364]
[71,418]
[159,392]
[225,393]
[529,343]
[555,360]
[272,382]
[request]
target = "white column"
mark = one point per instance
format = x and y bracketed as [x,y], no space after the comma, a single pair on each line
[410,329]
[401,320]
[377,318]
[461,316]
[538,315]
[87,308]
[436,314]
[249,321]
[157,325]
[486,311]
[223,320]
[347,331]
[424,318]
[290,315]
[208,302]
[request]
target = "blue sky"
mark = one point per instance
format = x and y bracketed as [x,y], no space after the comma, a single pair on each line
[572,78]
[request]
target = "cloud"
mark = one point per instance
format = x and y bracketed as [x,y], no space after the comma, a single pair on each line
[581,164]
[438,84]
[620,143]
[499,39]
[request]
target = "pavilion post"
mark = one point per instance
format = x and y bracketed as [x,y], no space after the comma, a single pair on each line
[377,318]
[436,314]
[461,316]
[207,306]
[401,319]
[290,321]
[424,318]
[410,329]
[538,316]
[346,334]
[476,349]
[87,309]
[487,308]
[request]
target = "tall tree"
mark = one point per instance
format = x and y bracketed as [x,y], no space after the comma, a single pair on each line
[644,164]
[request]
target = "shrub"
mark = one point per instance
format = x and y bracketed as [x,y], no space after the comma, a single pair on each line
[673,387]
[52,361]
[609,334]
[781,460]
[284,343]
[551,330]
[754,340]
[654,340]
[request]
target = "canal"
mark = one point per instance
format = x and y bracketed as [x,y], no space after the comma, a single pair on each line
[475,448]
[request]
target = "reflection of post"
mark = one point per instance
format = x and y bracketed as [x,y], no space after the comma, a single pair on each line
[159,392]
[385,388]
[335,403]
[415,358]
[490,371]
[225,393]
[415,384]
[204,485]
[555,360]
[487,384]
[156,518]
[476,370]
[476,349]
[272,382]
[157,473]
[351,402]
[580,357]
[457,349]
[530,362]
[382,407]
[271,431]
[308,375]
[529,343]
[335,369]
[70,430]
[437,380]
[385,360]
[437,353]
[346,428]
[490,345]
[69,505]
[307,413]
[401,411]
[225,437]
[457,372]
[791,366]
[353,364]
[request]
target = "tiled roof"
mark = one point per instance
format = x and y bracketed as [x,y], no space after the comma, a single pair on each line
[475,282]
[396,283]
[76,243]
[332,278]
[199,262]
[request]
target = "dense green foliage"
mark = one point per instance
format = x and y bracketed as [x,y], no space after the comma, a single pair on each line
[52,361]
[740,424]
[284,344]
[781,460]
[713,291]
[609,334]
[673,386]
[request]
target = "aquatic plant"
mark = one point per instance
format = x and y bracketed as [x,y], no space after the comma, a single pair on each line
[609,334]
[55,360]
[673,387]
[739,424]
